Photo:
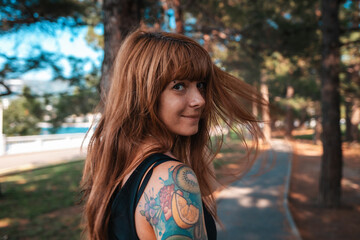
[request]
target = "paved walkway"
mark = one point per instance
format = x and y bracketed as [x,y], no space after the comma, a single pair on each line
[26,161]
[255,207]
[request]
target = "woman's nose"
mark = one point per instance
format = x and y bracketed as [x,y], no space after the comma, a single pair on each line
[196,98]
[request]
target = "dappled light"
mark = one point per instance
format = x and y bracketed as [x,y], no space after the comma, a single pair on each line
[350,184]
[341,223]
[258,195]
[299,197]
[308,179]
[5,222]
[30,188]
[41,199]
[263,203]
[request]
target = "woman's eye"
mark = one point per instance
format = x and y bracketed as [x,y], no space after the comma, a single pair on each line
[179,86]
[201,85]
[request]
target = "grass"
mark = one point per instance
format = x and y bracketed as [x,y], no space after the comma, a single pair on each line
[41,204]
[304,137]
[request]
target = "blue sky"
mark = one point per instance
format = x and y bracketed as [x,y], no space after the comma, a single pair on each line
[23,43]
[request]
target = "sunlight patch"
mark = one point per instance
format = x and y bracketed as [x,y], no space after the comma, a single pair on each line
[234,192]
[5,222]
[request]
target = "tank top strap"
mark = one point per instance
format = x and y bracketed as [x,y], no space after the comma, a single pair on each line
[131,186]
[148,176]
[126,198]
[144,166]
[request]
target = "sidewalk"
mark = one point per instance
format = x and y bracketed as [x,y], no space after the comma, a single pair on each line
[255,207]
[21,162]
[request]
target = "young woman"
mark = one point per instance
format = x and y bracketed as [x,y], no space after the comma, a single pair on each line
[148,173]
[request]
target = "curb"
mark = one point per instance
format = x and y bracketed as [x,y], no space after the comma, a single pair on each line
[289,217]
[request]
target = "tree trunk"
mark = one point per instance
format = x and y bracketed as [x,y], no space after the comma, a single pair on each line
[178,17]
[265,108]
[120,18]
[348,134]
[350,99]
[318,131]
[331,165]
[289,113]
[355,120]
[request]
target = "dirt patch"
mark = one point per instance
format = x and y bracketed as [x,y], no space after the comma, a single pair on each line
[313,221]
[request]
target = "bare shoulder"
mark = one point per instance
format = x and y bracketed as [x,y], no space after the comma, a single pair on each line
[171,203]
[179,174]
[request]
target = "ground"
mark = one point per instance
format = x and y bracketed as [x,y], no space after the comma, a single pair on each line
[313,221]
[41,204]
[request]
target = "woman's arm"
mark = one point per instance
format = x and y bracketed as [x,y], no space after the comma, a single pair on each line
[171,204]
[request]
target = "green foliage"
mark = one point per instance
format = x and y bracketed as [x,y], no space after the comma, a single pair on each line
[81,101]
[22,17]
[22,115]
[94,40]
[279,36]
[20,14]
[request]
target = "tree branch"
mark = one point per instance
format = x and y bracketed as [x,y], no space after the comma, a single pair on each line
[8,90]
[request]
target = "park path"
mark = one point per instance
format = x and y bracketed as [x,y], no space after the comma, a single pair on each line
[27,161]
[255,207]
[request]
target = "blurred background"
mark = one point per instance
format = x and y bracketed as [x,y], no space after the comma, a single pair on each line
[302,55]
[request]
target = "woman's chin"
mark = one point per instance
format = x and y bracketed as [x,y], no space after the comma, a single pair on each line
[188,132]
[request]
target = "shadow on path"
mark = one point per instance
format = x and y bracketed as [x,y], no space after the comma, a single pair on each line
[255,207]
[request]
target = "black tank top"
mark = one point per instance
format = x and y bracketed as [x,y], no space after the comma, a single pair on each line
[122,217]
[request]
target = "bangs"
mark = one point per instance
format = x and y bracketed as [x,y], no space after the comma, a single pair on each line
[186,61]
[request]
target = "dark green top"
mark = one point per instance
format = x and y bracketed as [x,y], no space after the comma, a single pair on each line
[122,218]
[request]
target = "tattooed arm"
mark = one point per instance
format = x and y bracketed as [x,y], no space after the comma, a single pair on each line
[171,204]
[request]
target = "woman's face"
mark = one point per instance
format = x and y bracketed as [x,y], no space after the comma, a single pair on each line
[181,105]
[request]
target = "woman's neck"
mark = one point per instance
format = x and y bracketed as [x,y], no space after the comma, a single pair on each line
[147,145]
[140,152]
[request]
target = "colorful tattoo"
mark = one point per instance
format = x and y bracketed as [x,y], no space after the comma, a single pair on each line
[175,211]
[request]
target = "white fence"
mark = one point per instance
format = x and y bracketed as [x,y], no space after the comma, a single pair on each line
[39,143]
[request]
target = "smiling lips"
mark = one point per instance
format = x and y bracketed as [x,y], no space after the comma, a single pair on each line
[191,116]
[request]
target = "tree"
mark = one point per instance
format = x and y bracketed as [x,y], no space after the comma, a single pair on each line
[23,115]
[46,16]
[257,30]
[19,17]
[176,6]
[120,17]
[81,101]
[123,16]
[331,164]
[349,77]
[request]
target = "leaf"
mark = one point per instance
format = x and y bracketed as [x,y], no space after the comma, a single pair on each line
[142,212]
[146,198]
[158,213]
[156,207]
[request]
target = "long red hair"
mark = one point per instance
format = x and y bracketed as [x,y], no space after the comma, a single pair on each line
[145,64]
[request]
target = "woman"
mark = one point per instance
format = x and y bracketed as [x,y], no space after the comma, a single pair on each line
[148,170]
